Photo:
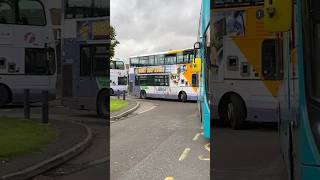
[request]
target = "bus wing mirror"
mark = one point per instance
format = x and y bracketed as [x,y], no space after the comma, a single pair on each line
[196,48]
[197,45]
[278,15]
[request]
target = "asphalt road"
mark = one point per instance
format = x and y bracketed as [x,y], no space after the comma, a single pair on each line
[162,140]
[248,154]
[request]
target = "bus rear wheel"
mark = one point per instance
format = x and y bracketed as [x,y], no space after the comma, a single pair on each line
[236,112]
[143,94]
[103,104]
[4,95]
[183,97]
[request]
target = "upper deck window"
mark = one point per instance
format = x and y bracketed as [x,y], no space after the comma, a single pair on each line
[171,59]
[86,8]
[24,12]
[31,13]
[119,65]
[7,13]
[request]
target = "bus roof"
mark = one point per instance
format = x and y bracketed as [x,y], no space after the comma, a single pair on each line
[165,52]
[117,59]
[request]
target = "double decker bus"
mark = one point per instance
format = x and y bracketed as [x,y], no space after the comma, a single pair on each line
[167,75]
[118,77]
[243,77]
[85,55]
[299,33]
[27,51]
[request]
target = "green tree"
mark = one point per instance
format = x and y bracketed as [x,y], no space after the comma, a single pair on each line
[114,41]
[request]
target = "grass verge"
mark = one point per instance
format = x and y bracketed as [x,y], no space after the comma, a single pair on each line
[19,137]
[117,104]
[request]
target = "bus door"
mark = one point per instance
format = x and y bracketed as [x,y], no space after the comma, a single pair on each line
[161,83]
[87,85]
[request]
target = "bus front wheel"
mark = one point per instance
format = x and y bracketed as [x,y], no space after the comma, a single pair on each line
[111,92]
[236,112]
[143,94]
[183,96]
[4,95]
[102,104]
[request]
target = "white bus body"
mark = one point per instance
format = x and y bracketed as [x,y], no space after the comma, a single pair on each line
[118,77]
[27,51]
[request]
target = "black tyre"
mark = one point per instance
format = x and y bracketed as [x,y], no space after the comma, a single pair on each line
[236,112]
[183,97]
[4,95]
[143,94]
[111,92]
[103,104]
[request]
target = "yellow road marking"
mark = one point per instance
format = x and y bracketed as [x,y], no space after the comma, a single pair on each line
[169,178]
[184,154]
[196,136]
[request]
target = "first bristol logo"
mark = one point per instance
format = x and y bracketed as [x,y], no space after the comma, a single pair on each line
[29,37]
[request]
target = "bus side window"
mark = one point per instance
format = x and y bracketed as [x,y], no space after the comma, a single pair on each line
[195,80]
[186,58]
[233,63]
[269,64]
[167,80]
[179,58]
[152,60]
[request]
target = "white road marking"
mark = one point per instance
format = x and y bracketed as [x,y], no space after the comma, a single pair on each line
[196,136]
[203,158]
[184,154]
[147,110]
[207,147]
[202,133]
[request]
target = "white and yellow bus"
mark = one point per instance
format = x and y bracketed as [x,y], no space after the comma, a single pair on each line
[244,77]
[167,75]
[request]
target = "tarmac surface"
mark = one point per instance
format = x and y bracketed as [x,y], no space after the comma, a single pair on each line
[248,154]
[162,139]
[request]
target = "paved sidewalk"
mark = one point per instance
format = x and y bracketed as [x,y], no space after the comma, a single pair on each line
[73,138]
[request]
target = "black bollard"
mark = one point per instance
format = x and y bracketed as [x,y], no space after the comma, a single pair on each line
[45,107]
[26,104]
[124,95]
[118,93]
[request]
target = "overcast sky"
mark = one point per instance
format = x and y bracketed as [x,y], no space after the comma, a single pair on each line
[148,26]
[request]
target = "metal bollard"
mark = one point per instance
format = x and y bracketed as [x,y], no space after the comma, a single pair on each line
[45,107]
[124,95]
[118,94]
[26,104]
